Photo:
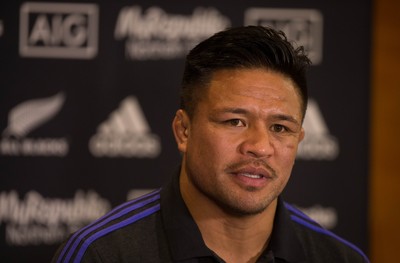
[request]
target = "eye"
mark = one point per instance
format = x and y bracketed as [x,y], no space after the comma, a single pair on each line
[278,128]
[236,123]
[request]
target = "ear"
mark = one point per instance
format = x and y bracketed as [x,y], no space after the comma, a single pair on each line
[302,134]
[181,129]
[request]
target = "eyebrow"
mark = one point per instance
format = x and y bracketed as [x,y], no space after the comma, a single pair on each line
[281,117]
[233,110]
[284,117]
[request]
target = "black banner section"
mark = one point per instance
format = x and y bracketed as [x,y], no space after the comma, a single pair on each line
[88,92]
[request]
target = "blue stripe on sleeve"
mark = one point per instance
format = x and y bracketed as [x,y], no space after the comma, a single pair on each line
[74,241]
[326,232]
[299,213]
[112,228]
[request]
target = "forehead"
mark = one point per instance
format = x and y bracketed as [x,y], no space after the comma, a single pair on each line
[258,92]
[257,85]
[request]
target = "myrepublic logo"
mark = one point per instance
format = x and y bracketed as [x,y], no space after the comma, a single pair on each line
[153,33]
[125,133]
[39,220]
[302,26]
[58,30]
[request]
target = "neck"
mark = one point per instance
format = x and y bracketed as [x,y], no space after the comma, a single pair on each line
[233,238]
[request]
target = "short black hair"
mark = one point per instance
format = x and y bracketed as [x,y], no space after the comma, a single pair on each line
[245,47]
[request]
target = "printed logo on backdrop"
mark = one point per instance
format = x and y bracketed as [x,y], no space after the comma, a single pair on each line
[155,34]
[38,220]
[125,133]
[58,30]
[26,117]
[327,217]
[136,193]
[303,26]
[318,143]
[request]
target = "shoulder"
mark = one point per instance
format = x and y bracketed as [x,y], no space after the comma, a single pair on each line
[117,230]
[321,243]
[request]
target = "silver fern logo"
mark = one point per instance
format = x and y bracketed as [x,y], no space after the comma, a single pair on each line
[26,117]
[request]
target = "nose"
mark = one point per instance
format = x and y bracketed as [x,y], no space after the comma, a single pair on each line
[256,143]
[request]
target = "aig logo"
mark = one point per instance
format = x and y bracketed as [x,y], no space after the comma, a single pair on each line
[58,30]
[303,26]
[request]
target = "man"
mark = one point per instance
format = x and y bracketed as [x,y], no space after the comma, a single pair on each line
[243,101]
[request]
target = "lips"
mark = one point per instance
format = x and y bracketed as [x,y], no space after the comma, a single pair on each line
[253,176]
[252,172]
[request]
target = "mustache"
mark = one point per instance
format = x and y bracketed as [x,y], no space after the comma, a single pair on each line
[251,162]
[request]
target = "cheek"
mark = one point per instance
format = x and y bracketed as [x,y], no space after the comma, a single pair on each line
[208,147]
[202,158]
[287,153]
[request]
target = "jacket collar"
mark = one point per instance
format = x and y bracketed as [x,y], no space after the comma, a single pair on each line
[186,242]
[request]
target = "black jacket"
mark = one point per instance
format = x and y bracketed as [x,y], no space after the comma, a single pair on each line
[159,228]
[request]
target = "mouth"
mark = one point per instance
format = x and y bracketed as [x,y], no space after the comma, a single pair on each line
[252,173]
[251,179]
[253,176]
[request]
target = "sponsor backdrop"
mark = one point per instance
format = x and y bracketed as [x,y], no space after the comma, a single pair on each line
[88,92]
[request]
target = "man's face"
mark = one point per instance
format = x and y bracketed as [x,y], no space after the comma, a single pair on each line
[241,142]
